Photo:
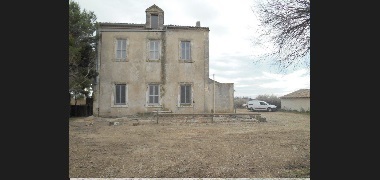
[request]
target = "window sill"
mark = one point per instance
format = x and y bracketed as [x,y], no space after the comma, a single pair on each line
[119,106]
[153,106]
[119,60]
[185,106]
[151,60]
[186,61]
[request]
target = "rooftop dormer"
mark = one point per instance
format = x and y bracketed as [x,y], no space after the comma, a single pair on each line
[154,17]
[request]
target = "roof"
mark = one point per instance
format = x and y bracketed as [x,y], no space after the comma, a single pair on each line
[141,26]
[301,93]
[170,26]
[133,25]
[121,24]
[154,7]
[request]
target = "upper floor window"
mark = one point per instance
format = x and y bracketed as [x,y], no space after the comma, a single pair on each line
[121,49]
[154,50]
[185,50]
[154,21]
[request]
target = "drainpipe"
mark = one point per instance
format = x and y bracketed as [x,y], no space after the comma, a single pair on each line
[213,106]
[213,76]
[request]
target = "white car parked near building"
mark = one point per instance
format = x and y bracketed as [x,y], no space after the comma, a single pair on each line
[257,105]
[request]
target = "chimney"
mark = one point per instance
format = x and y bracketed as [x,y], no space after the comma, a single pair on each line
[198,24]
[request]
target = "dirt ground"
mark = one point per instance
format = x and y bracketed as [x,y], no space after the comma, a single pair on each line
[187,147]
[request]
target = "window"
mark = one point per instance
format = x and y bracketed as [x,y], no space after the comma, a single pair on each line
[185,94]
[153,94]
[154,21]
[185,50]
[121,50]
[154,50]
[120,94]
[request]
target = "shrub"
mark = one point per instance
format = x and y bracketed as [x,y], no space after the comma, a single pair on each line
[271,99]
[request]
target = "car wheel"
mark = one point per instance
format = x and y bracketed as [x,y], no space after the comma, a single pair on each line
[269,110]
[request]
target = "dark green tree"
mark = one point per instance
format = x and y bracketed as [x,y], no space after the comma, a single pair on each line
[286,25]
[82,49]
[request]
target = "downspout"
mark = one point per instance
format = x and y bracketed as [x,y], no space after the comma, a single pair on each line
[213,77]
[98,68]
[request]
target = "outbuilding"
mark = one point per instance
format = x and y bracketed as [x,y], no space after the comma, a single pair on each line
[298,100]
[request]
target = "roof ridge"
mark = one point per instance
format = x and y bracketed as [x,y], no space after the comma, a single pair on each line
[298,93]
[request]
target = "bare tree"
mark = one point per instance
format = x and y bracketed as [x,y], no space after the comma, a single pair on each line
[286,25]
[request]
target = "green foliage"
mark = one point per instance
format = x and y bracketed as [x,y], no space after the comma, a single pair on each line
[239,101]
[77,96]
[82,52]
[271,99]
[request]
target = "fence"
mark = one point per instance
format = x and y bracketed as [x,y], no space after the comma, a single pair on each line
[82,110]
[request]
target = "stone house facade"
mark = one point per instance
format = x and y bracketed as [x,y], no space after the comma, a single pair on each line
[152,66]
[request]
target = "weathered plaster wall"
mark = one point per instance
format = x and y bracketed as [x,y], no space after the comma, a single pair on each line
[224,97]
[295,104]
[177,71]
[137,72]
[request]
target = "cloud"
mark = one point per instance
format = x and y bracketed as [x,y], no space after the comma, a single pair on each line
[232,37]
[289,82]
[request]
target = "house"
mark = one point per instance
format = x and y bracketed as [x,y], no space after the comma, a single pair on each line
[298,100]
[152,66]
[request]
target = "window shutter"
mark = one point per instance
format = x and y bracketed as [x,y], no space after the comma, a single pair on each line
[115,48]
[180,50]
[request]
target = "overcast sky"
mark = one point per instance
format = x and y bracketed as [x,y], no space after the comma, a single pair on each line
[233,29]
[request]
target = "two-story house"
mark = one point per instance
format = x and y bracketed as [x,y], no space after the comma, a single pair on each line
[152,66]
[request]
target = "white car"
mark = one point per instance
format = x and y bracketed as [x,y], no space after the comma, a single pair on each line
[257,105]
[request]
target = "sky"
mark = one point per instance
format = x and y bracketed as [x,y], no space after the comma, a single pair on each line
[232,50]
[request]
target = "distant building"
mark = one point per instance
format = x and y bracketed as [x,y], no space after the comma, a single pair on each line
[152,66]
[80,101]
[298,100]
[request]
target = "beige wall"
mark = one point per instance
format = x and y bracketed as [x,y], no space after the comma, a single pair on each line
[295,104]
[224,97]
[79,101]
[169,72]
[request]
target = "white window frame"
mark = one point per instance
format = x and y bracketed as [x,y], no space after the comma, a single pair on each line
[148,95]
[190,104]
[156,50]
[114,95]
[119,49]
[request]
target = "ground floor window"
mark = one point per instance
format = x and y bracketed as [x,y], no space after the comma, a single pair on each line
[154,91]
[185,94]
[120,94]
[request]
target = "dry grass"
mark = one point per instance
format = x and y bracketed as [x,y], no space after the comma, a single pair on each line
[233,148]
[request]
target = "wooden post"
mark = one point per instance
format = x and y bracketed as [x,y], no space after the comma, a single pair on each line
[157,116]
[212,119]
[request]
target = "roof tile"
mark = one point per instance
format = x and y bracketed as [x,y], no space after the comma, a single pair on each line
[301,93]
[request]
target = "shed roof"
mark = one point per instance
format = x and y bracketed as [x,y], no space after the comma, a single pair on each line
[301,93]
